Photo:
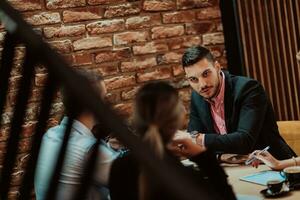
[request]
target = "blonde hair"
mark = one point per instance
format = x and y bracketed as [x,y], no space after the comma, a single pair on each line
[156,117]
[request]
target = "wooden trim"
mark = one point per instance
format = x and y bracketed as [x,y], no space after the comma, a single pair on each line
[270,38]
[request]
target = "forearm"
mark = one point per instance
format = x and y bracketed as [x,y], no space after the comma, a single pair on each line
[287,163]
[236,142]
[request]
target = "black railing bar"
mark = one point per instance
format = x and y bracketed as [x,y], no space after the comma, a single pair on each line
[6,64]
[47,99]
[53,185]
[17,121]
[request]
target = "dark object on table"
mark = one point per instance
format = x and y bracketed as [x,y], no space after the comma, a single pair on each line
[274,191]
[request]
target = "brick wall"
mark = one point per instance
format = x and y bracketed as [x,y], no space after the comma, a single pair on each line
[129,42]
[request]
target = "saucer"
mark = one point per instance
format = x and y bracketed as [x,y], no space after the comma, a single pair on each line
[268,194]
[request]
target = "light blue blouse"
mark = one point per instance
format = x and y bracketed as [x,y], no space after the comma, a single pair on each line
[80,142]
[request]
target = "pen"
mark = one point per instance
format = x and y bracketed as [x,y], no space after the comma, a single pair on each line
[250,160]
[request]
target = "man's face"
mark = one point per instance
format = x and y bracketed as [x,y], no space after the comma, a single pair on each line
[204,77]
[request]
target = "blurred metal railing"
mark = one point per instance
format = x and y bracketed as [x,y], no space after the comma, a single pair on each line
[59,74]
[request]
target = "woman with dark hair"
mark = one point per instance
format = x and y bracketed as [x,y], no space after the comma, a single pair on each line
[157,116]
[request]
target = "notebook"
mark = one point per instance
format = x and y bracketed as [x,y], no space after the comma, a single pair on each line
[263,177]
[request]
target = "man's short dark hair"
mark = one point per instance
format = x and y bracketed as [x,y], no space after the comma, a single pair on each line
[72,106]
[194,54]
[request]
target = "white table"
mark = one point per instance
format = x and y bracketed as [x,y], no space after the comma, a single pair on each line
[246,188]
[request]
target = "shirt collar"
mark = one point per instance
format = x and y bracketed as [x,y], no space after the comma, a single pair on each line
[78,126]
[220,96]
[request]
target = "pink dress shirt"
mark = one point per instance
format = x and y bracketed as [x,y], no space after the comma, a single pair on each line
[217,109]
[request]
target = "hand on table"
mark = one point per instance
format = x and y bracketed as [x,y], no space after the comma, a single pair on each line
[185,147]
[266,158]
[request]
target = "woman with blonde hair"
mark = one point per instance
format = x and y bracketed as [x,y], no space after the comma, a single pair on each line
[158,115]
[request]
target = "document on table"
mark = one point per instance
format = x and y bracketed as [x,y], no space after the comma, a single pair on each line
[247,197]
[263,177]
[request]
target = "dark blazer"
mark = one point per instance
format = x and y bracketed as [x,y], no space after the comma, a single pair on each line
[249,119]
[124,176]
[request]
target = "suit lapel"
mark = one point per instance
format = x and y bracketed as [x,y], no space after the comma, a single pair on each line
[228,101]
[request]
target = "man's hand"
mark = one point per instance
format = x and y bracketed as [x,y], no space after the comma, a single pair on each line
[181,134]
[199,138]
[185,147]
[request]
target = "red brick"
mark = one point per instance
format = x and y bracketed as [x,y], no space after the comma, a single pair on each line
[166,32]
[64,46]
[200,28]
[180,82]
[2,148]
[92,42]
[24,145]
[217,51]
[53,122]
[43,18]
[28,129]
[184,42]
[138,63]
[14,81]
[104,2]
[219,26]
[68,59]
[82,14]
[105,26]
[26,5]
[161,73]
[191,41]
[38,31]
[158,5]
[119,54]
[105,69]
[54,4]
[124,109]
[129,93]
[34,96]
[185,94]
[40,79]
[20,53]
[187,4]
[56,108]
[177,70]
[82,58]
[2,34]
[223,62]
[130,37]
[6,118]
[122,10]
[64,31]
[32,112]
[120,81]
[22,160]
[16,177]
[170,57]
[113,97]
[213,38]
[143,21]
[179,17]
[151,47]
[208,13]
[4,134]
[175,43]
